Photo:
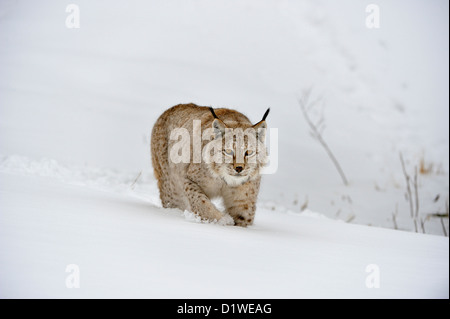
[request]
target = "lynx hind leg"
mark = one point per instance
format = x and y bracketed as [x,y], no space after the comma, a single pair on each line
[159,155]
[202,206]
[165,189]
[167,195]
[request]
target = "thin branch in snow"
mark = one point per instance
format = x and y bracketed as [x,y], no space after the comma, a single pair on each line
[422,224]
[394,217]
[409,192]
[416,193]
[442,219]
[136,179]
[317,130]
[350,218]
[443,227]
[305,204]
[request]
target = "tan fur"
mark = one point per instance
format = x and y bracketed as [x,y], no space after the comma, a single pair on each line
[191,186]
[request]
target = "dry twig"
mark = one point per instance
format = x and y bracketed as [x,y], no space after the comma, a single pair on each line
[136,179]
[394,217]
[317,130]
[409,193]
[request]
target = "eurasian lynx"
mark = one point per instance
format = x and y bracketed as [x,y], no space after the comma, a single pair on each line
[232,153]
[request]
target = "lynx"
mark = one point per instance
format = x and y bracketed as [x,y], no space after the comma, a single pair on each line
[233,175]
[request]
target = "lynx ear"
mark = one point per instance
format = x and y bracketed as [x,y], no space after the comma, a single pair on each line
[218,125]
[261,127]
[219,128]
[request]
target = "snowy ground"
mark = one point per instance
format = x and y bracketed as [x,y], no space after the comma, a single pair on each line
[126,246]
[77,107]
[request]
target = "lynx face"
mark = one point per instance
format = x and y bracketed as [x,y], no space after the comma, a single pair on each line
[239,152]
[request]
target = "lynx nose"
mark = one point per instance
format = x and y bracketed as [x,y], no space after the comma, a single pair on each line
[238,169]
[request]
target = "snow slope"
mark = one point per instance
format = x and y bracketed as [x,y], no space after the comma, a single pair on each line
[126,246]
[77,107]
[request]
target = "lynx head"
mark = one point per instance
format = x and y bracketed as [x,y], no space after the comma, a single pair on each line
[238,149]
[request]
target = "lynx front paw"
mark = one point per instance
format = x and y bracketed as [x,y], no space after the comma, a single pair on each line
[242,221]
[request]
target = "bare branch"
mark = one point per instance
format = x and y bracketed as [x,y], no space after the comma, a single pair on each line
[416,193]
[136,179]
[442,219]
[305,204]
[350,218]
[422,225]
[409,192]
[443,227]
[306,106]
[394,217]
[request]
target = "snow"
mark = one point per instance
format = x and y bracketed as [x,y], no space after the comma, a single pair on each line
[77,107]
[127,247]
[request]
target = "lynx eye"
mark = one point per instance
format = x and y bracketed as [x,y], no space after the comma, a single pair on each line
[228,152]
[249,153]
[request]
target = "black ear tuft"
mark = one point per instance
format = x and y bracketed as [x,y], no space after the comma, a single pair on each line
[265,114]
[213,113]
